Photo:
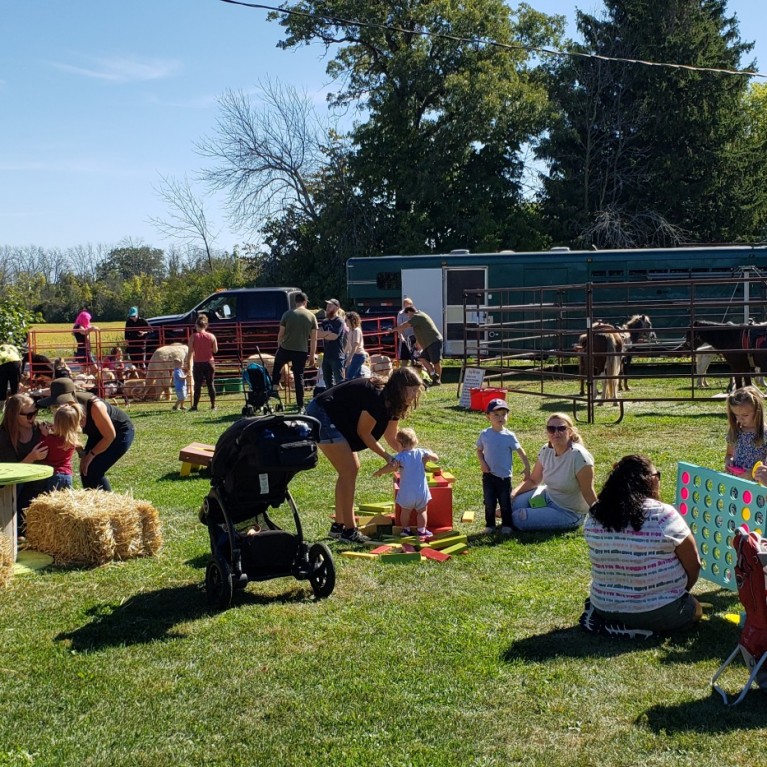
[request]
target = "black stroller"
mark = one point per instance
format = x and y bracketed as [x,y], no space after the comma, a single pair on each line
[252,466]
[258,388]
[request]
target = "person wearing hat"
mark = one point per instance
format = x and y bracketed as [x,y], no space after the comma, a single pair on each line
[82,330]
[109,431]
[428,337]
[333,337]
[136,331]
[495,449]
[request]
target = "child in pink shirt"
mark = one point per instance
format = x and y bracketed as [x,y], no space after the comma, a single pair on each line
[62,440]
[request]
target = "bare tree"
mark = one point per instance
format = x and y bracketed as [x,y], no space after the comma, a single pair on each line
[186,219]
[267,155]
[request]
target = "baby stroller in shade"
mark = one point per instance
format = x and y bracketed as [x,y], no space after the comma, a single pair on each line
[257,385]
[751,579]
[252,466]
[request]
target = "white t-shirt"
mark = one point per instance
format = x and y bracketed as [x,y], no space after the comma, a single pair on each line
[635,571]
[559,476]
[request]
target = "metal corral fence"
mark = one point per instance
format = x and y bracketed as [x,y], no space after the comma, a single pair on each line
[237,342]
[530,341]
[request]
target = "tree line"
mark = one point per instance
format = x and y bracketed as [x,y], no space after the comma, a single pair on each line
[464,133]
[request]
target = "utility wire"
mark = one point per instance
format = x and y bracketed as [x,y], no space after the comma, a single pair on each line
[494,43]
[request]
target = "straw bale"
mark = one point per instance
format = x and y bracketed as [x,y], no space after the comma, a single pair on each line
[6,561]
[92,526]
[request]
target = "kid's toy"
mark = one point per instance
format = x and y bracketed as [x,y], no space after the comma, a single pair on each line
[715,505]
[751,577]
[253,464]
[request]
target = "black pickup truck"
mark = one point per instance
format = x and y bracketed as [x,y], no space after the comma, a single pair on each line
[244,320]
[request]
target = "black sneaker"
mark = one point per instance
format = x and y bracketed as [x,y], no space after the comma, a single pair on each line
[435,380]
[353,535]
[590,621]
[336,529]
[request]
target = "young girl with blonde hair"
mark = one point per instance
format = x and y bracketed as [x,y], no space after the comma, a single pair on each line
[746,431]
[62,440]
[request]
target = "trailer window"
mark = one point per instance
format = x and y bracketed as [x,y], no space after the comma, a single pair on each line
[389,280]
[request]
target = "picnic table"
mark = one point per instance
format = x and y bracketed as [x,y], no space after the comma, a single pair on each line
[12,474]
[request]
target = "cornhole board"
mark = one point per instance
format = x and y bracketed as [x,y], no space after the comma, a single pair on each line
[715,505]
[195,455]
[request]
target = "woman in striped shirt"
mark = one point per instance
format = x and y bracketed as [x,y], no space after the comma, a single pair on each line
[644,560]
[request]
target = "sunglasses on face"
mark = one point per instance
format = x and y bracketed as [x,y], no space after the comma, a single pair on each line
[555,429]
[29,416]
[656,474]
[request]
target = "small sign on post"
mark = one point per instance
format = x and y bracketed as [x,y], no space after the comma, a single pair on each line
[472,379]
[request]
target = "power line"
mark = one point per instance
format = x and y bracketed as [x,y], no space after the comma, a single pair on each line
[494,43]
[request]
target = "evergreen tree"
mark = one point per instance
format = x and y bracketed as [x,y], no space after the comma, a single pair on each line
[639,153]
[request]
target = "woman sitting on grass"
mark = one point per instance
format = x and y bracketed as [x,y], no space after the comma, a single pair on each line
[644,560]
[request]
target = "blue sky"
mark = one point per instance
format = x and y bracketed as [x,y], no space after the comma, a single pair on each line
[98,99]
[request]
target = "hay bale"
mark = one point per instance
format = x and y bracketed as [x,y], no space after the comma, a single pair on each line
[92,527]
[6,561]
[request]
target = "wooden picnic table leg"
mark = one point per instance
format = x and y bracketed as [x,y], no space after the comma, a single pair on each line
[8,516]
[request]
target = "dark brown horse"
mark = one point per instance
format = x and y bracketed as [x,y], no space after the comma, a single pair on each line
[744,347]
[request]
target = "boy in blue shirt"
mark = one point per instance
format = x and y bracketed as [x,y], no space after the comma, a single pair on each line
[495,448]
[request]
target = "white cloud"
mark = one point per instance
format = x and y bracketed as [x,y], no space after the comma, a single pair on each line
[123,70]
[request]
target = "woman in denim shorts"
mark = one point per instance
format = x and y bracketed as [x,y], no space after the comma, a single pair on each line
[354,416]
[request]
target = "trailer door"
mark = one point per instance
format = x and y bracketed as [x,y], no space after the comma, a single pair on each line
[456,280]
[424,287]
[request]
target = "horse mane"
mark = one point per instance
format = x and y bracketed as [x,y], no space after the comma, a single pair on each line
[638,321]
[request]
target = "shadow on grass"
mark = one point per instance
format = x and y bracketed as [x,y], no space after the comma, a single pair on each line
[154,615]
[713,639]
[708,715]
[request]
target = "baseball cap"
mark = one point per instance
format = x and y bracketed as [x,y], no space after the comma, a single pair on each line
[333,301]
[496,404]
[133,311]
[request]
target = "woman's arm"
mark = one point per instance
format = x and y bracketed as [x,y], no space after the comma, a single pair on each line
[585,479]
[107,432]
[365,426]
[214,344]
[536,477]
[687,554]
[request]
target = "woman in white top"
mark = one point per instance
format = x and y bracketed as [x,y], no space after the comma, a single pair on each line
[561,485]
[355,347]
[644,560]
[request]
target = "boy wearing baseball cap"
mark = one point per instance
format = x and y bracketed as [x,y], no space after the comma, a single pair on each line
[495,448]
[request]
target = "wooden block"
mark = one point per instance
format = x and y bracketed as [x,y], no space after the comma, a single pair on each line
[382,549]
[467,516]
[407,547]
[400,558]
[383,507]
[195,455]
[359,555]
[444,543]
[437,556]
[456,548]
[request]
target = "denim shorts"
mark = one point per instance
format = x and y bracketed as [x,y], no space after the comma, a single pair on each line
[328,432]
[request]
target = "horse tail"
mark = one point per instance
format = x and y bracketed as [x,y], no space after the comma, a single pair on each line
[613,349]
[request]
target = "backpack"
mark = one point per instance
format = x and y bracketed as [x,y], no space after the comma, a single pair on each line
[751,580]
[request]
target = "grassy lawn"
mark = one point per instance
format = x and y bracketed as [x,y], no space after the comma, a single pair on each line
[477,661]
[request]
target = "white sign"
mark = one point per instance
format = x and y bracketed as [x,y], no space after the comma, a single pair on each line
[472,379]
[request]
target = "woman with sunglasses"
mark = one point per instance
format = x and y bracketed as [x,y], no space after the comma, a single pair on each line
[21,442]
[644,560]
[561,485]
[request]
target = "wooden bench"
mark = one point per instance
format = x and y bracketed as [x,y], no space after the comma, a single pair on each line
[195,455]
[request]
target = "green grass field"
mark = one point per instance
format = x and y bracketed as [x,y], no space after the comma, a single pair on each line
[477,661]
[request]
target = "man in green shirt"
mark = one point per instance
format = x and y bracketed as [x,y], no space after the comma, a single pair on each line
[297,345]
[428,338]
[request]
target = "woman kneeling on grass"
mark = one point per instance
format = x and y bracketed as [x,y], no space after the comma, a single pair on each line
[644,560]
[353,416]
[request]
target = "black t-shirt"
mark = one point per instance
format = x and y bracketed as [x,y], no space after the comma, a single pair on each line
[347,401]
[134,329]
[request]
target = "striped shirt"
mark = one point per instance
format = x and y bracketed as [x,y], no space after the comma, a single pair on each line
[636,571]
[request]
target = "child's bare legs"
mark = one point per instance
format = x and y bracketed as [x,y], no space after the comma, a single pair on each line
[404,519]
[421,517]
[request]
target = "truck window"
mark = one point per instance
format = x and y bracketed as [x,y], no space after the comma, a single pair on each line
[266,306]
[219,308]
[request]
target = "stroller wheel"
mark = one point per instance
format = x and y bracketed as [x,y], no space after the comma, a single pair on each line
[218,583]
[322,570]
